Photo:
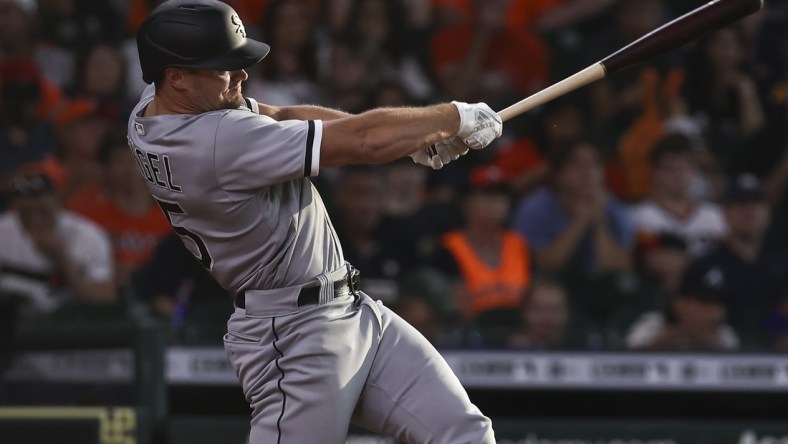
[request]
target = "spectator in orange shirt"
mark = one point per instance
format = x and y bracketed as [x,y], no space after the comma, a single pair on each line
[517,13]
[490,263]
[632,101]
[122,206]
[488,59]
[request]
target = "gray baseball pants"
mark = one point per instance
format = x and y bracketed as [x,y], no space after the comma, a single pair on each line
[308,374]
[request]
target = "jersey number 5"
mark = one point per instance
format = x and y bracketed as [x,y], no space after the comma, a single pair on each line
[171,208]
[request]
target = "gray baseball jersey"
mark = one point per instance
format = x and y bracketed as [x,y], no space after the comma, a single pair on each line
[235,187]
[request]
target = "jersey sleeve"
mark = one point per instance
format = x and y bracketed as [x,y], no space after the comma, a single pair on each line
[254,151]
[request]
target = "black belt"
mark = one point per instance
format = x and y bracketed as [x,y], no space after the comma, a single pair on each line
[311,295]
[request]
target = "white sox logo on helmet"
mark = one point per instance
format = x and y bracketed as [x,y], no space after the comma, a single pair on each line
[240,29]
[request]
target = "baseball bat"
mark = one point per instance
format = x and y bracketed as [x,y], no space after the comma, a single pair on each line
[688,27]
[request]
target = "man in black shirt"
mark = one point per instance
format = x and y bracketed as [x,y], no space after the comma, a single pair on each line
[752,273]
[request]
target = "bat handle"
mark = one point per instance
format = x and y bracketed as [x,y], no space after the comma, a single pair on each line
[571,83]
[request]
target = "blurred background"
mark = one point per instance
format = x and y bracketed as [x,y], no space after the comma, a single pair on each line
[613,269]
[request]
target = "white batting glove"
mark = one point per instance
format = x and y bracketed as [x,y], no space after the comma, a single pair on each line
[479,124]
[440,154]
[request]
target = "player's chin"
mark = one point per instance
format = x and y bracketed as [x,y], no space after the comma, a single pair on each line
[233,101]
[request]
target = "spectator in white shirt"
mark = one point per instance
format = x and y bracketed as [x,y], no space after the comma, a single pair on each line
[694,320]
[674,207]
[50,255]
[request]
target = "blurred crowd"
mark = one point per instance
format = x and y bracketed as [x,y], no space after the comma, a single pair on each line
[645,211]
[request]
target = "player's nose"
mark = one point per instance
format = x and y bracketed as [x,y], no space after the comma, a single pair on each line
[240,75]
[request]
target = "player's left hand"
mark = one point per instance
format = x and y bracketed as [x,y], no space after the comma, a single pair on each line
[440,154]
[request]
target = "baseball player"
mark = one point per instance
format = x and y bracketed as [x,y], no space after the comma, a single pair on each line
[312,353]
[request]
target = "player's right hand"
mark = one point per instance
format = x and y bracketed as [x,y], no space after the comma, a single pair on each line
[479,124]
[440,154]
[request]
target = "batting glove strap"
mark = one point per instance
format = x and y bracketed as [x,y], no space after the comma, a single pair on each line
[440,154]
[479,124]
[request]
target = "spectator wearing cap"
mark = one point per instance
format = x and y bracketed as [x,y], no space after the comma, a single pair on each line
[25,135]
[660,262]
[752,272]
[51,255]
[673,207]
[694,320]
[489,263]
[80,129]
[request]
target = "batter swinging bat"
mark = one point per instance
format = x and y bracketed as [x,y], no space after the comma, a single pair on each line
[689,26]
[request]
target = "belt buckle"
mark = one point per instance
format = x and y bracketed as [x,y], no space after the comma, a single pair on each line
[353,278]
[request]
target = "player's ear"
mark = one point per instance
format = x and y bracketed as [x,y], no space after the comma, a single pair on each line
[175,77]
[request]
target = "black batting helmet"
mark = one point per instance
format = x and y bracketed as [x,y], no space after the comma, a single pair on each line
[205,34]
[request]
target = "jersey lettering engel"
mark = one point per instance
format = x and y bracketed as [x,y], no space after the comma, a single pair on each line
[235,187]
